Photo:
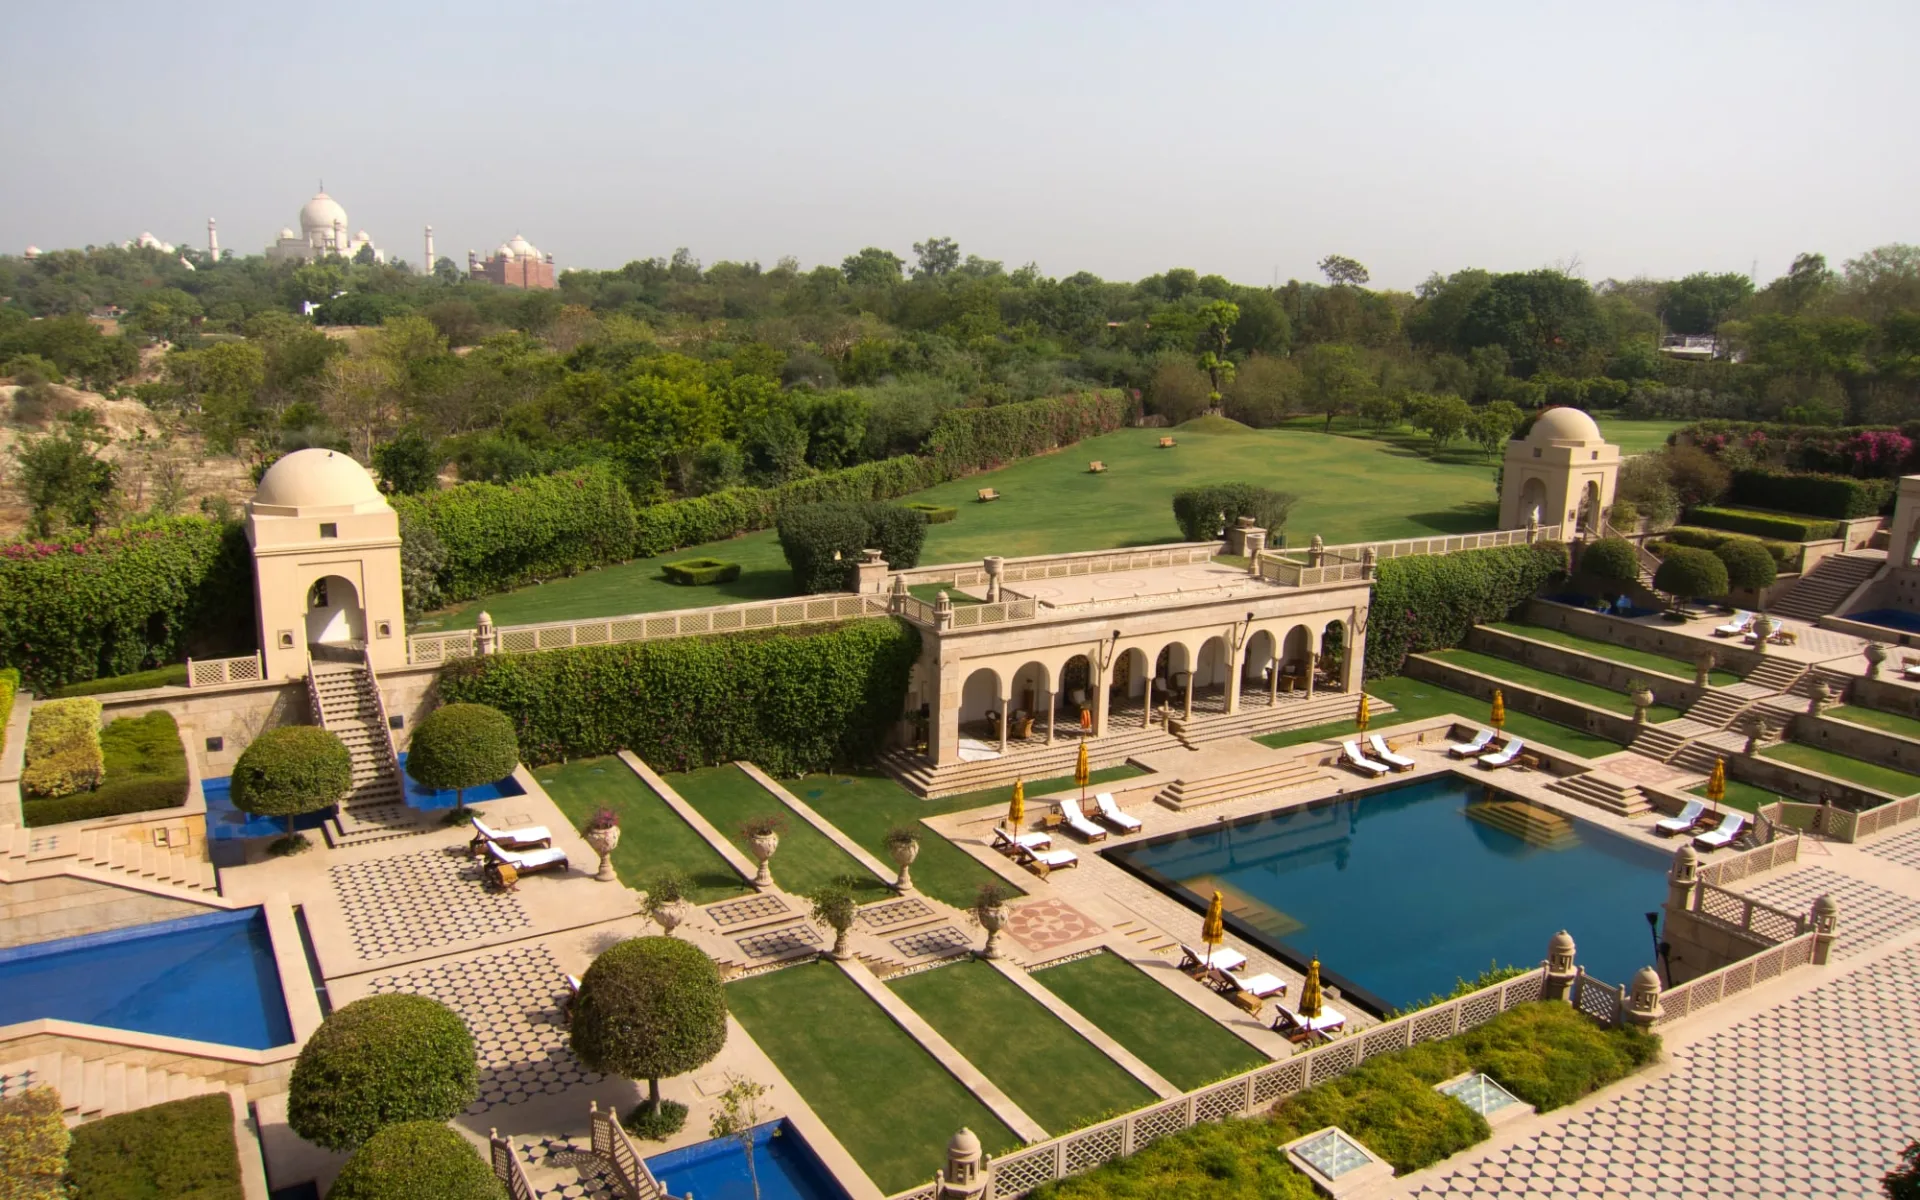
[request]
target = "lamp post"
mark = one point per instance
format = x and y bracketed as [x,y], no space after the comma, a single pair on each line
[1662,951]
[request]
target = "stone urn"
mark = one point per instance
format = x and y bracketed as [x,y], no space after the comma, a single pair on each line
[993,918]
[1876,654]
[1642,698]
[1703,668]
[668,917]
[903,852]
[603,838]
[763,845]
[1819,698]
[1756,733]
[1763,627]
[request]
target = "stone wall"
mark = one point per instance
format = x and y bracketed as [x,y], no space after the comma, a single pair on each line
[1888,693]
[1597,721]
[1798,783]
[1615,677]
[1858,741]
[1700,945]
[37,910]
[1653,638]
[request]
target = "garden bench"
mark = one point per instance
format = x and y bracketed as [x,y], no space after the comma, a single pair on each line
[1096,467]
[1166,443]
[987,494]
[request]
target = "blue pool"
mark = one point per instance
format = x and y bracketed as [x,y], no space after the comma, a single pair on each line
[208,978]
[717,1170]
[1404,890]
[225,822]
[1888,618]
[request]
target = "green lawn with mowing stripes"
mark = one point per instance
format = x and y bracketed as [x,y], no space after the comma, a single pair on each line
[806,859]
[1057,1077]
[1508,671]
[884,1097]
[1185,1045]
[652,834]
[1873,718]
[1645,660]
[1840,766]
[1743,796]
[1418,700]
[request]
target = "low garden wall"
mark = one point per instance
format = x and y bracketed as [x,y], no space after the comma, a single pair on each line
[1887,694]
[1839,824]
[1634,635]
[1597,721]
[1615,677]
[1801,783]
[1858,741]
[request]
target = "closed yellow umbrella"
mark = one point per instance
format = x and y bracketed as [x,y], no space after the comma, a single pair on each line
[1213,930]
[1310,992]
[1498,719]
[1080,772]
[1017,809]
[1363,714]
[1717,782]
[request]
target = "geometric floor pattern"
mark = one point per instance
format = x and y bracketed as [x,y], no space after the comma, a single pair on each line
[1868,914]
[595,1181]
[895,912]
[511,1002]
[1902,848]
[1813,1098]
[748,908]
[926,943]
[1040,925]
[774,943]
[420,901]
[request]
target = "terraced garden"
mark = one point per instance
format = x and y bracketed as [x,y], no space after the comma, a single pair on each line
[1644,660]
[1418,700]
[1743,796]
[1508,671]
[807,858]
[1186,1046]
[653,835]
[1840,766]
[1873,718]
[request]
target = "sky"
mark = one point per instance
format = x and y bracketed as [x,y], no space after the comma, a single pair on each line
[1248,140]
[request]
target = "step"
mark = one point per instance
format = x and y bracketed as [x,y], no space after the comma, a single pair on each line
[1533,824]
[136,1088]
[1624,800]
[1183,794]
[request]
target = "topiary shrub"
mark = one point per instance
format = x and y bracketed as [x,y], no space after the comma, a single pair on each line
[63,748]
[1763,524]
[378,1062]
[1611,559]
[1686,573]
[180,1148]
[694,572]
[417,1160]
[648,1007]
[656,1120]
[1549,1054]
[936,514]
[145,769]
[822,542]
[1429,602]
[1199,510]
[33,1146]
[460,746]
[1748,564]
[292,770]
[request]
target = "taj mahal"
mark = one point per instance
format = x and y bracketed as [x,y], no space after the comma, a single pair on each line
[323,231]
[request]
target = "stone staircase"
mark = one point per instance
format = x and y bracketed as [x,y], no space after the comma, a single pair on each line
[93,1088]
[105,855]
[1777,674]
[346,701]
[1534,824]
[1590,787]
[1699,755]
[1234,785]
[1719,708]
[1822,589]
[1665,740]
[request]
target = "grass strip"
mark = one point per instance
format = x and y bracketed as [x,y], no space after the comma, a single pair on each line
[1873,718]
[1057,1077]
[888,1101]
[1644,660]
[1418,700]
[807,859]
[653,835]
[1743,796]
[1173,1037]
[1840,766]
[1521,675]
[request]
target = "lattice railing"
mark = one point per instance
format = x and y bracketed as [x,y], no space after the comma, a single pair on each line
[1342,564]
[1886,816]
[430,648]
[612,1146]
[1747,863]
[1066,566]
[1601,1001]
[507,1168]
[642,627]
[211,672]
[1755,917]
[1715,986]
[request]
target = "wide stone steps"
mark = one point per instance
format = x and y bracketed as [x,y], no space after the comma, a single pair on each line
[1534,824]
[1839,683]
[1254,781]
[1664,740]
[1822,590]
[187,868]
[1718,709]
[94,1088]
[376,809]
[1620,799]
[1777,674]
[1700,755]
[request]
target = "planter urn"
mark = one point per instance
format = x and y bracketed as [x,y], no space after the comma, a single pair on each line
[764,845]
[840,952]
[1876,654]
[603,839]
[993,918]
[1763,627]
[668,917]
[1642,700]
[903,854]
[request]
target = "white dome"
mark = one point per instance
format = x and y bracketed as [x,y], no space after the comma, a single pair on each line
[362,236]
[286,235]
[1564,425]
[317,478]
[33,252]
[505,251]
[321,214]
[522,248]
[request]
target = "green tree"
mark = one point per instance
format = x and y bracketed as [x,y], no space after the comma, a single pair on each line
[460,746]
[1493,425]
[1687,573]
[33,1145]
[380,1061]
[1332,380]
[1903,1182]
[1444,418]
[417,1160]
[1698,303]
[1544,320]
[649,1007]
[736,1116]
[66,483]
[1216,331]
[1748,563]
[291,770]
[937,257]
[409,464]
[872,267]
[1611,560]
[1341,270]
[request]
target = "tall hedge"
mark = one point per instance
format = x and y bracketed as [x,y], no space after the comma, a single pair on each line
[1430,602]
[500,535]
[964,440]
[9,688]
[822,542]
[791,702]
[124,600]
[1836,496]
[1763,524]
[1199,510]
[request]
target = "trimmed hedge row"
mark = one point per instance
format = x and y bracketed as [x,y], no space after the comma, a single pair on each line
[694,572]
[178,1148]
[791,702]
[1204,512]
[1763,524]
[1431,602]
[9,688]
[63,748]
[965,440]
[1837,496]
[145,769]
[936,514]
[1786,555]
[823,542]
[123,600]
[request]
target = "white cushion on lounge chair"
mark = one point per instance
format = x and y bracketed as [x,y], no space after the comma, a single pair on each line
[1355,757]
[1038,839]
[1077,821]
[1110,812]
[1226,958]
[1737,626]
[1723,834]
[1052,859]
[1688,817]
[526,833]
[1387,756]
[1506,755]
[526,860]
[1480,742]
[1259,985]
[1330,1019]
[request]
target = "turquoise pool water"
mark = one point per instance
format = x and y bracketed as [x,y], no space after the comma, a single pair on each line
[208,978]
[1888,618]
[227,823]
[1404,890]
[717,1170]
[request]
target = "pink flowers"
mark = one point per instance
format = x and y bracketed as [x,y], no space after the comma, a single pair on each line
[1878,451]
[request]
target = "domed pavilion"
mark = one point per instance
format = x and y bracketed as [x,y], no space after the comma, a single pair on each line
[1561,473]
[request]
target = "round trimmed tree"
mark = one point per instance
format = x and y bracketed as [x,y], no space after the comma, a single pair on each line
[649,1007]
[378,1062]
[1687,573]
[417,1160]
[1611,560]
[292,770]
[1748,563]
[459,746]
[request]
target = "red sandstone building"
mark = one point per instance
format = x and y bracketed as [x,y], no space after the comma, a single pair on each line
[515,264]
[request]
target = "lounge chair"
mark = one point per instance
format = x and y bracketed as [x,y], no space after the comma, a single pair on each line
[1505,757]
[573,994]
[1223,958]
[1478,745]
[1684,823]
[505,867]
[1398,762]
[1360,762]
[1722,834]
[1299,1029]
[1111,814]
[1742,621]
[1076,820]
[1008,843]
[1261,985]
[1042,862]
[527,837]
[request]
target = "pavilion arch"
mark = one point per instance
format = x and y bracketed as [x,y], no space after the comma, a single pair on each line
[1075,689]
[334,614]
[1533,501]
[1591,517]
[1335,642]
[1030,685]
[979,696]
[1296,652]
[1262,648]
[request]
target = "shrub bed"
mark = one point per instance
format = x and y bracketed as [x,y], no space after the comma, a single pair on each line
[790,702]
[63,748]
[936,514]
[1786,555]
[823,542]
[1763,524]
[1816,493]
[182,1148]
[9,688]
[1200,511]
[1430,602]
[145,768]
[697,571]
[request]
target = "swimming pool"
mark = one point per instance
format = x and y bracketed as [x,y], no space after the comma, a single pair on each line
[1404,890]
[210,978]
[717,1170]
[1888,618]
[226,823]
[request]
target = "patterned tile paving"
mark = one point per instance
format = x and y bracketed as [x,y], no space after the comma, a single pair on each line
[1902,848]
[421,901]
[1867,914]
[777,942]
[1813,1098]
[895,912]
[511,1002]
[1042,925]
[595,1179]
[930,942]
[747,908]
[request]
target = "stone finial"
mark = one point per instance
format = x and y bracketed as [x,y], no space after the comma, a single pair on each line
[1876,654]
[966,1173]
[1642,1005]
[1826,923]
[872,555]
[899,585]
[486,640]
[994,564]
[1560,953]
[1686,866]
[1819,698]
[1367,560]
[1316,551]
[1533,527]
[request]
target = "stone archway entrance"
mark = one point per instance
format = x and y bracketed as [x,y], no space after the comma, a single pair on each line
[336,624]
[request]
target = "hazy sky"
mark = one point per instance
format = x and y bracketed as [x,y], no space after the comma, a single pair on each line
[1655,138]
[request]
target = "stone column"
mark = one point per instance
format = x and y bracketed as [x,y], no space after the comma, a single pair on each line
[1368,558]
[943,726]
[1533,528]
[1356,678]
[1641,1005]
[1053,702]
[1273,679]
[1826,921]
[1236,664]
[1819,698]
[1006,719]
[485,639]
[993,564]
[1186,709]
[1560,968]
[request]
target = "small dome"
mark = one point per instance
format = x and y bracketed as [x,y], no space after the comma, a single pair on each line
[1564,425]
[33,252]
[321,214]
[317,478]
[362,236]
[1561,944]
[1646,979]
[286,235]
[505,251]
[964,1144]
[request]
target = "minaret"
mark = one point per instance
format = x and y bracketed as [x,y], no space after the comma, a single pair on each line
[339,236]
[428,269]
[213,241]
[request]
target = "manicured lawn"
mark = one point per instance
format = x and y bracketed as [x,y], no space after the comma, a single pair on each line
[806,859]
[1637,437]
[891,1105]
[1644,659]
[1417,700]
[1173,1037]
[1546,681]
[1057,1077]
[183,1148]
[173,676]
[652,834]
[1873,718]
[1051,505]
[1743,796]
[1853,770]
